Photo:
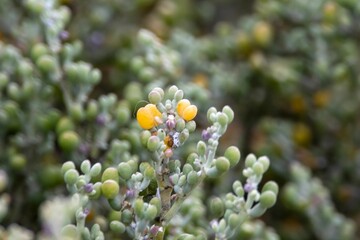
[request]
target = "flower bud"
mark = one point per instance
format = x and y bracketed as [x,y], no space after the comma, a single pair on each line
[122,115]
[154,97]
[71,176]
[125,170]
[110,189]
[267,199]
[217,207]
[151,212]
[67,166]
[110,173]
[85,166]
[222,164]
[69,141]
[153,143]
[117,227]
[233,155]
[271,186]
[258,168]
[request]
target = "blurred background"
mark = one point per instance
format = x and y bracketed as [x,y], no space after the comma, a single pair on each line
[288,68]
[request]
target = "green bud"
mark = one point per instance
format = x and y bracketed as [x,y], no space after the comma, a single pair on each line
[69,141]
[160,91]
[92,110]
[217,207]
[95,76]
[191,126]
[125,170]
[187,168]
[64,124]
[179,94]
[154,97]
[201,148]
[239,191]
[258,168]
[46,63]
[223,119]
[3,80]
[151,212]
[149,173]
[117,227]
[13,91]
[69,232]
[67,166]
[180,124]
[267,199]
[271,186]
[222,164]
[122,115]
[156,202]
[250,160]
[110,189]
[147,74]
[18,161]
[126,217]
[77,112]
[182,180]
[110,173]
[234,221]
[39,50]
[229,113]
[265,162]
[144,137]
[233,155]
[71,176]
[210,112]
[137,63]
[97,188]
[85,166]
[192,178]
[184,135]
[25,68]
[153,143]
[95,170]
[191,158]
[172,90]
[139,207]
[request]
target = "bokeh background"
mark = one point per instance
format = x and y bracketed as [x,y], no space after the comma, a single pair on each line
[288,68]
